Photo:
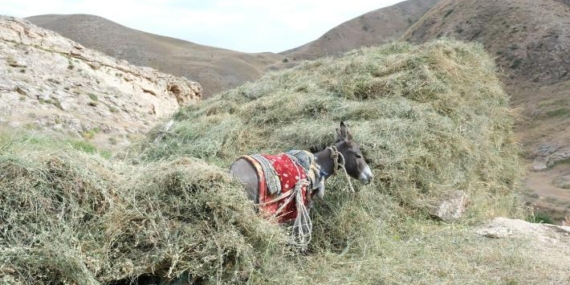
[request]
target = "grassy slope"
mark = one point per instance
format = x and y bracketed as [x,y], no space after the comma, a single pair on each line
[405,105]
[215,68]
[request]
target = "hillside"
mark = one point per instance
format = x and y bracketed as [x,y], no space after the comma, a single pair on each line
[529,40]
[373,28]
[216,69]
[52,84]
[526,36]
[220,69]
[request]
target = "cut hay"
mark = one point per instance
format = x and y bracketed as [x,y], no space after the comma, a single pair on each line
[430,119]
[72,217]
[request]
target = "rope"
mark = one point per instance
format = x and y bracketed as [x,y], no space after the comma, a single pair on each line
[302,228]
[335,154]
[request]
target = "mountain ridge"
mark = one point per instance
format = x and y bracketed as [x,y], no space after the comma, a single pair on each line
[215,68]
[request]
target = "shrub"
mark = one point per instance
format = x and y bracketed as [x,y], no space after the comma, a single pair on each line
[93,97]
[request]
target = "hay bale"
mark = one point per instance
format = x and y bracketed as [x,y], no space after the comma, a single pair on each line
[187,216]
[51,201]
[69,216]
[431,119]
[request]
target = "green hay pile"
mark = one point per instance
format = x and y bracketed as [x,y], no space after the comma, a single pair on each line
[72,217]
[430,119]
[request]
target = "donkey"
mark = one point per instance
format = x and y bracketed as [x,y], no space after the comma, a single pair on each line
[344,155]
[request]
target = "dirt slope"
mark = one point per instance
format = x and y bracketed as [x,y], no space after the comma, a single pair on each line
[216,69]
[530,40]
[373,28]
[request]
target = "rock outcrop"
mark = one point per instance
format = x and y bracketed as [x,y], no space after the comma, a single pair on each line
[49,82]
[451,206]
[548,155]
[501,227]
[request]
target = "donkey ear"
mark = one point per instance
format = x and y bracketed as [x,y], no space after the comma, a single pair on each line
[343,133]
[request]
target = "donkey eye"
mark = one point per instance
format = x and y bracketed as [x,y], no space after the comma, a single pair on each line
[358,155]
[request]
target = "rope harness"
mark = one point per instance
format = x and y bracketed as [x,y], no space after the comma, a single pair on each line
[288,202]
[310,181]
[335,155]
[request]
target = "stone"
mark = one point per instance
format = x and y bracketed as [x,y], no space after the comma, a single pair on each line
[450,207]
[495,232]
[539,164]
[44,96]
[549,154]
[562,181]
[501,227]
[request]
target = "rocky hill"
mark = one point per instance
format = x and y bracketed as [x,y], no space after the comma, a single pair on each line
[51,83]
[528,37]
[215,68]
[529,40]
[374,28]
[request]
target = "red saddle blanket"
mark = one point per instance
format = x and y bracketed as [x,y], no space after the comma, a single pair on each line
[289,174]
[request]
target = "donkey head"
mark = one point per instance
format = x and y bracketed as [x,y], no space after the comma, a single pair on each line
[354,161]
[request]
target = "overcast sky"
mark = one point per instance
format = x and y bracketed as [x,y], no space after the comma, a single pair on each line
[242,25]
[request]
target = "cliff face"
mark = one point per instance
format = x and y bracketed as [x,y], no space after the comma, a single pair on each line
[51,83]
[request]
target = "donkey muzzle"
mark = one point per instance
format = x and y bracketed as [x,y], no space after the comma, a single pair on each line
[366,175]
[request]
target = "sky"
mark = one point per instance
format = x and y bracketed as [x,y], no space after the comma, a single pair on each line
[241,25]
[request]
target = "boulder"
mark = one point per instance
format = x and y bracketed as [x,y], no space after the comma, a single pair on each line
[450,207]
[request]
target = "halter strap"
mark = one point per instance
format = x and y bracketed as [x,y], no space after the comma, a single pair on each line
[336,156]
